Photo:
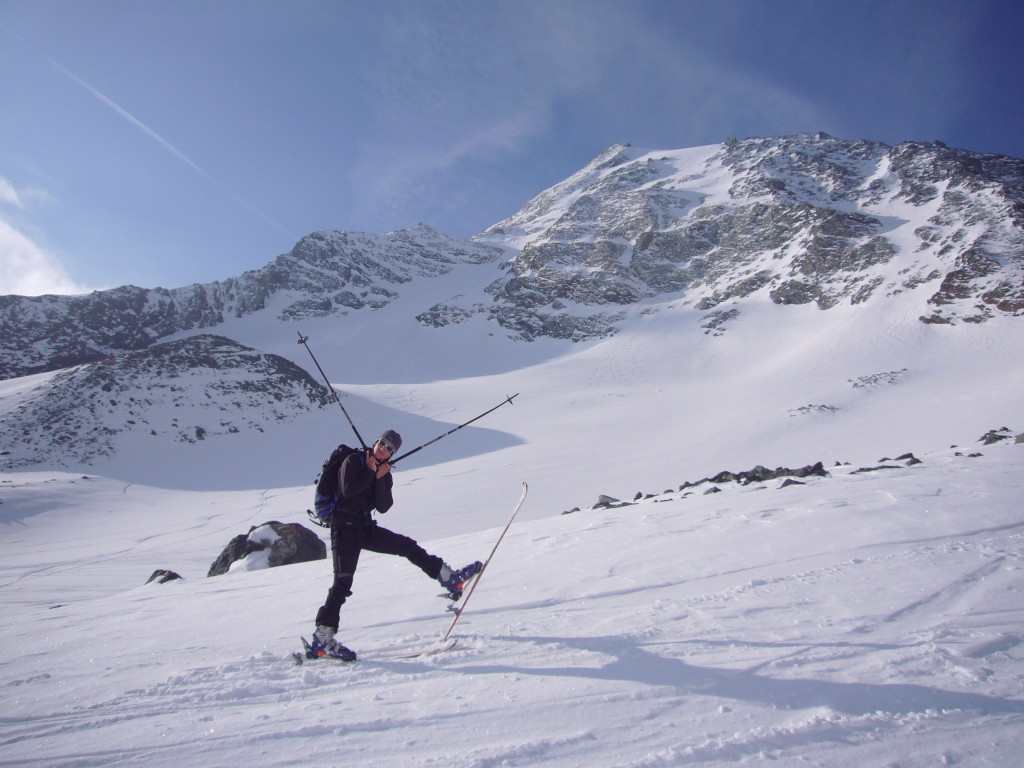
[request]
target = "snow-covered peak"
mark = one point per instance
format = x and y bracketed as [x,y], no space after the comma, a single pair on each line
[796,219]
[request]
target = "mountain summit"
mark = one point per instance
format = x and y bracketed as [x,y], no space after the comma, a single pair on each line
[800,219]
[803,219]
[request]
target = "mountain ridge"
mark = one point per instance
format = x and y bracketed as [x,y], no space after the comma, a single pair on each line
[325,273]
[650,288]
[184,391]
[804,219]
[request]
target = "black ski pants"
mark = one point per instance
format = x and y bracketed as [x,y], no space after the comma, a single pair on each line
[347,542]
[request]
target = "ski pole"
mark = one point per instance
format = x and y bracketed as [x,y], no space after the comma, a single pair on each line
[302,341]
[508,399]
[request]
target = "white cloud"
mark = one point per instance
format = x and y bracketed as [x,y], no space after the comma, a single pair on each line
[8,194]
[25,268]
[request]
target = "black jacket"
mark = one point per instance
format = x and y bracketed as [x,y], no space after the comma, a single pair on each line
[360,492]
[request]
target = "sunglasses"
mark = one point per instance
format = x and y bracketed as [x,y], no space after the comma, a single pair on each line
[387,446]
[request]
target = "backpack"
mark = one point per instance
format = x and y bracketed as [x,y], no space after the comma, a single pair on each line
[326,497]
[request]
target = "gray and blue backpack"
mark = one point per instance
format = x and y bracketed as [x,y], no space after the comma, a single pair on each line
[326,498]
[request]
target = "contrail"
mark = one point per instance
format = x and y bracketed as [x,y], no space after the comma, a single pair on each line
[133,120]
[118,109]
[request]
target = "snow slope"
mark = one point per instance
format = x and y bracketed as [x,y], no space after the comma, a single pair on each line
[859,619]
[865,618]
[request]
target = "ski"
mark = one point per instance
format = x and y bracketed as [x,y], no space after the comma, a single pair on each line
[432,651]
[302,658]
[476,580]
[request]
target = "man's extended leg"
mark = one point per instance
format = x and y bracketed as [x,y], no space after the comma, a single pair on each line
[390,543]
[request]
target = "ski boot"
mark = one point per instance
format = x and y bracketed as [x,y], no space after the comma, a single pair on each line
[455,581]
[324,645]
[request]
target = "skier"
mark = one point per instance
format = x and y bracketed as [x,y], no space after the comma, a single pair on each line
[364,484]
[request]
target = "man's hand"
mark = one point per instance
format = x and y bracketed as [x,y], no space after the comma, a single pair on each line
[378,464]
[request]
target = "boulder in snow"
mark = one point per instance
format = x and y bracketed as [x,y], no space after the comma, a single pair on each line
[268,546]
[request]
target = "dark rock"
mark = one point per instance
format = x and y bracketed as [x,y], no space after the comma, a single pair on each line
[760,474]
[995,435]
[294,543]
[236,549]
[162,576]
[814,469]
[610,502]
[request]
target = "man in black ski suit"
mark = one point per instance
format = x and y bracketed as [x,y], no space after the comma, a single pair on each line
[364,485]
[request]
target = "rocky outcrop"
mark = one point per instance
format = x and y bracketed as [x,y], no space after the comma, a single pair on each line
[186,390]
[278,543]
[162,576]
[325,273]
[805,219]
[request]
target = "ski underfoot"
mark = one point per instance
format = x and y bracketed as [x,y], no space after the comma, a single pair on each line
[307,656]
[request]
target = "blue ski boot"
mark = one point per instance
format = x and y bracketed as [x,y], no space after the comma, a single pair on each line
[324,644]
[455,581]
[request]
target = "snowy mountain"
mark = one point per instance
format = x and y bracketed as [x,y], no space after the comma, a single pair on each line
[802,219]
[182,391]
[681,328]
[707,235]
[326,273]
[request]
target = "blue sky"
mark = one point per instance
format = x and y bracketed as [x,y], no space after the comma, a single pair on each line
[165,143]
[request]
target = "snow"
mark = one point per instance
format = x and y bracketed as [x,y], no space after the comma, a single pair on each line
[863,618]
[870,618]
[259,559]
